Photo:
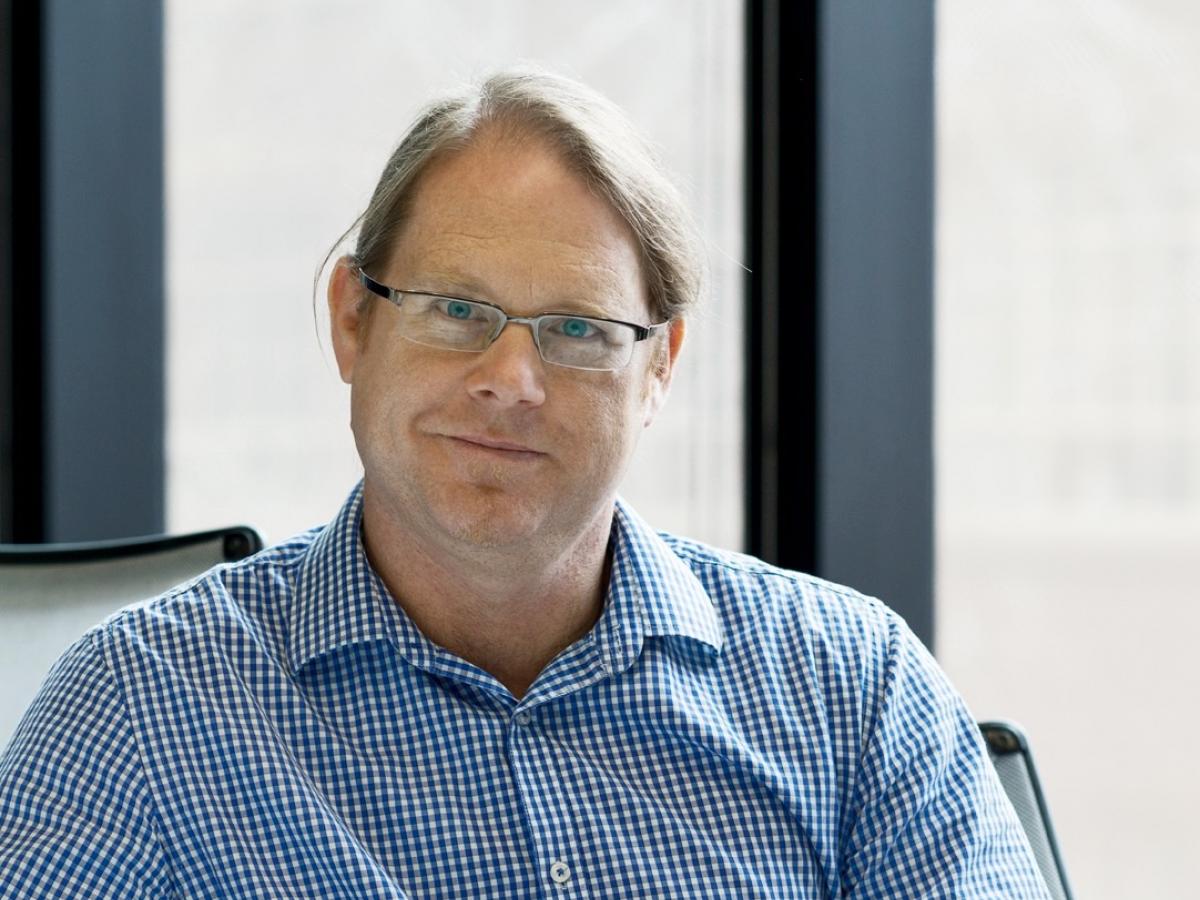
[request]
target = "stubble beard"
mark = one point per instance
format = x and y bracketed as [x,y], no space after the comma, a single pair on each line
[486,511]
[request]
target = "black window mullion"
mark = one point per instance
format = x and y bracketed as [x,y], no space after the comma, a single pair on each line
[22,421]
[839,353]
[81,278]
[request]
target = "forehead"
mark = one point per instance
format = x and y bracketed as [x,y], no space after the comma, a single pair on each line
[506,218]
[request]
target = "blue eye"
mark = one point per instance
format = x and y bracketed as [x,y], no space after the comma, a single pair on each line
[576,328]
[456,309]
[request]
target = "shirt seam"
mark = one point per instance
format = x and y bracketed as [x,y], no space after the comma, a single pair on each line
[882,696]
[769,571]
[154,817]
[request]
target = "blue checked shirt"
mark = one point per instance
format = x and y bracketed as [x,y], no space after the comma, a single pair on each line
[279,728]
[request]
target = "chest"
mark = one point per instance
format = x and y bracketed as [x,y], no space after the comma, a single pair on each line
[390,782]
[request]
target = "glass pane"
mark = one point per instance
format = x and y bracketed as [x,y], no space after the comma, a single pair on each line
[280,116]
[1069,411]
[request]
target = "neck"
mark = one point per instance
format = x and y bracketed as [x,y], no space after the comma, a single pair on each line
[508,610]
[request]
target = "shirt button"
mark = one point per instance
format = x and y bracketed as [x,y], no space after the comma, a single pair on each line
[560,872]
[524,717]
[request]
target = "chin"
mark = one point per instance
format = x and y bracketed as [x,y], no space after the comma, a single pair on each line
[487,518]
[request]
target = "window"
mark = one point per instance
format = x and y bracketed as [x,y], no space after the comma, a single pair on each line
[1069,411]
[280,117]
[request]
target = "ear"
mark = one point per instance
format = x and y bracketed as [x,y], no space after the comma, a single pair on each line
[662,370]
[345,316]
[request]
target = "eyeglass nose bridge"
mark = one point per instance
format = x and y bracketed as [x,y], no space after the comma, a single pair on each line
[504,320]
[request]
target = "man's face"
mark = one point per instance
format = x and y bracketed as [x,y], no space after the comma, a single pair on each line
[499,448]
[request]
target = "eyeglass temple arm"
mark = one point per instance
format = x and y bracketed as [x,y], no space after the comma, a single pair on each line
[375,287]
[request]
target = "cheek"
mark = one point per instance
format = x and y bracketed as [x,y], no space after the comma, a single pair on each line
[380,399]
[616,411]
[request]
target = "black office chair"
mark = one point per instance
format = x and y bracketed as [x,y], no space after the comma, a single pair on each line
[1009,750]
[50,594]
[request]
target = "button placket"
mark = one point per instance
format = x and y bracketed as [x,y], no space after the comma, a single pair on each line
[549,820]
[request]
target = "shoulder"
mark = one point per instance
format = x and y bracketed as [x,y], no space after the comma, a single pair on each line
[222,608]
[92,689]
[825,653]
[77,816]
[810,650]
[913,780]
[791,609]
[77,702]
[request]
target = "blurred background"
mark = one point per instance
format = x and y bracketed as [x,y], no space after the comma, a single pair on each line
[951,353]
[1068,411]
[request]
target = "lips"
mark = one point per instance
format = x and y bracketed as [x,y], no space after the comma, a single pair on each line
[495,444]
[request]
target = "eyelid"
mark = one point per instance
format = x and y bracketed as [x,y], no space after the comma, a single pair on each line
[590,316]
[447,295]
[569,314]
[443,295]
[577,313]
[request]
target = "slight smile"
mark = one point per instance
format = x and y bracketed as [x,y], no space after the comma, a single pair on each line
[496,446]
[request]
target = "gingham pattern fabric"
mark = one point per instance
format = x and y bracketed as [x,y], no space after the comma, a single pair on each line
[278,728]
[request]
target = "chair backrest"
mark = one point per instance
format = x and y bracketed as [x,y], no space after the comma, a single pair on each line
[1013,760]
[50,594]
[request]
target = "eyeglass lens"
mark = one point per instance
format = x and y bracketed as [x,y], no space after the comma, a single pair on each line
[575,341]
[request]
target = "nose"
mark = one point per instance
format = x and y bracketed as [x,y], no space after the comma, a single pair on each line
[509,372]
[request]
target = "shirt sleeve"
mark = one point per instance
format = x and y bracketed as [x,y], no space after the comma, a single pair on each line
[76,817]
[930,818]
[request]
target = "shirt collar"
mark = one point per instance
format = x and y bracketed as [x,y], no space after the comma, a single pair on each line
[339,598]
[671,599]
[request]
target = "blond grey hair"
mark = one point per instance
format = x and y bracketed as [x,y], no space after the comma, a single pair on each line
[595,140]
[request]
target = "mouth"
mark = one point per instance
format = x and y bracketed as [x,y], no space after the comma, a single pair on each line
[495,446]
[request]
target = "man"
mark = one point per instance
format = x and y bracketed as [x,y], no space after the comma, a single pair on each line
[487,677]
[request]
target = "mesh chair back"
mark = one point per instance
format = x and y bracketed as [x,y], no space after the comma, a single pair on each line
[50,594]
[1010,755]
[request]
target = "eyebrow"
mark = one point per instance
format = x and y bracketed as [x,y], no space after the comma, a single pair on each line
[453,284]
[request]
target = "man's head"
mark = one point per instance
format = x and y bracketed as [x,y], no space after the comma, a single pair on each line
[496,200]
[595,140]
